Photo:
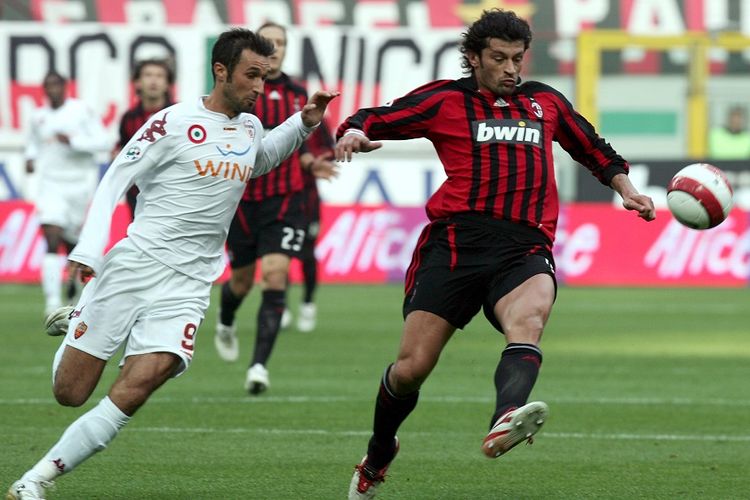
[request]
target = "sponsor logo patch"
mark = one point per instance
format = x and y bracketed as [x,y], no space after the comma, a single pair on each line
[133,153]
[197,134]
[80,330]
[509,131]
[229,152]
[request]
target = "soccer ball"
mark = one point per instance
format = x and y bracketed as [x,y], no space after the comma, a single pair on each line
[699,196]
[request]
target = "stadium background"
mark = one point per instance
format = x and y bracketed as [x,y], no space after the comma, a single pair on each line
[376,50]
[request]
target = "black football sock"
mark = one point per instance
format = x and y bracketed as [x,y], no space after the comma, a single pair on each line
[310,273]
[71,290]
[229,304]
[390,411]
[269,320]
[515,376]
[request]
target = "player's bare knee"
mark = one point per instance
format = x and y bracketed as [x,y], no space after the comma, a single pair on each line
[67,395]
[275,279]
[129,398]
[407,377]
[242,288]
[526,330]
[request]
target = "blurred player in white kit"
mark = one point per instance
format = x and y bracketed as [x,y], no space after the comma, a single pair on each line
[150,292]
[64,137]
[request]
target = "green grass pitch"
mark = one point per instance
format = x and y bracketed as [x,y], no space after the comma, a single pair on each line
[647,388]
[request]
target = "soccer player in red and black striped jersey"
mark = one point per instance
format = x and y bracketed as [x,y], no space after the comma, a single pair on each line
[152,79]
[269,225]
[320,143]
[492,224]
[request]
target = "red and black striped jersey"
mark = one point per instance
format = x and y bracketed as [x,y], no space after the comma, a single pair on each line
[497,151]
[133,119]
[281,98]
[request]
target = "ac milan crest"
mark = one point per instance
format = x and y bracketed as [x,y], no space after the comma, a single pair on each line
[537,108]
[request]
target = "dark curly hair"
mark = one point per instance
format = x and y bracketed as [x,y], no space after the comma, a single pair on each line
[494,23]
[228,48]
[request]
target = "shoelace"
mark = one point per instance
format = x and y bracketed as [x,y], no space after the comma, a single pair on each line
[365,481]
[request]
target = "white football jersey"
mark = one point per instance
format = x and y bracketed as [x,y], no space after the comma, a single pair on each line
[191,166]
[55,160]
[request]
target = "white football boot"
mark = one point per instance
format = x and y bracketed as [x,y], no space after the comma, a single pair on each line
[286,319]
[257,379]
[362,487]
[56,323]
[25,489]
[513,427]
[225,340]
[308,315]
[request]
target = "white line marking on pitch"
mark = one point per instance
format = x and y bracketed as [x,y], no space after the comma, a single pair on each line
[425,399]
[557,435]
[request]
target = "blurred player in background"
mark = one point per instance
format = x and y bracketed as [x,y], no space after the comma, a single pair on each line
[151,291]
[152,79]
[269,225]
[64,138]
[492,223]
[731,140]
[319,143]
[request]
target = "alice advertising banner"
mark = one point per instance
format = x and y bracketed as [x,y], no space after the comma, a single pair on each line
[597,244]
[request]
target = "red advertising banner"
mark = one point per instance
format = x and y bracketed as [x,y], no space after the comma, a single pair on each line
[22,245]
[597,244]
[600,244]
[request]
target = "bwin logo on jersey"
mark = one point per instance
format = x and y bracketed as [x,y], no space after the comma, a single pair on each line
[513,131]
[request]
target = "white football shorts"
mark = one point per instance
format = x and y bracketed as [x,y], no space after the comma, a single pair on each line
[140,302]
[64,204]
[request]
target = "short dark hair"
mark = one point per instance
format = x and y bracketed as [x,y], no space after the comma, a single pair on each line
[228,48]
[494,23]
[162,63]
[53,73]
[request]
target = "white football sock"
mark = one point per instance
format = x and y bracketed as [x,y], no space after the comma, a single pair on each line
[92,432]
[52,271]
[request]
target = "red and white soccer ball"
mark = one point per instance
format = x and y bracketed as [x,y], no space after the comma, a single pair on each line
[699,196]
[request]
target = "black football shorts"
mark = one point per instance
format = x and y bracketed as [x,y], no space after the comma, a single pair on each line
[470,261]
[274,225]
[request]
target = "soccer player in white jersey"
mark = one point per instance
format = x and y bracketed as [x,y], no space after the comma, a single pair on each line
[150,292]
[64,137]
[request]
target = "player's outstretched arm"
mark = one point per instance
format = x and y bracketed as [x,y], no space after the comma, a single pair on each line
[632,199]
[79,271]
[354,141]
[313,111]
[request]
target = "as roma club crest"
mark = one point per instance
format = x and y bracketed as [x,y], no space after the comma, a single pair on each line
[80,330]
[250,129]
